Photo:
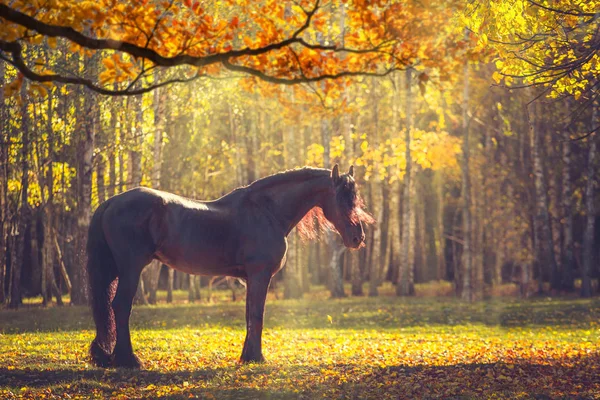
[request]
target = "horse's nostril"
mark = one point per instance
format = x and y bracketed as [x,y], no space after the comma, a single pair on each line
[356,239]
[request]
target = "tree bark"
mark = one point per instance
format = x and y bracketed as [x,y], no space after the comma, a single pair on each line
[440,230]
[467,256]
[79,294]
[48,246]
[160,99]
[590,211]
[170,280]
[544,247]
[4,212]
[376,256]
[404,287]
[567,267]
[24,212]
[335,266]
[135,158]
[292,288]
[100,161]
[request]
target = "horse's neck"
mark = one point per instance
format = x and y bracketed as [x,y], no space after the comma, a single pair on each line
[294,199]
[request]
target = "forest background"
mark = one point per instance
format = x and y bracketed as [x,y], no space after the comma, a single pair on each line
[472,127]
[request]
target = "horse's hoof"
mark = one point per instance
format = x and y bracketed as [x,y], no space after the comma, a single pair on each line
[100,358]
[129,362]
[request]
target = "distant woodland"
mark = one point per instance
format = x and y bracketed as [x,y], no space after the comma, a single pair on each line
[473,134]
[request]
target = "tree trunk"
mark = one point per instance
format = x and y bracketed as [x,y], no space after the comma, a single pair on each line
[292,288]
[567,267]
[191,288]
[412,253]
[429,218]
[467,256]
[113,148]
[545,246]
[100,161]
[79,294]
[170,285]
[4,220]
[160,100]
[404,286]
[440,231]
[590,212]
[335,266]
[376,256]
[356,275]
[135,178]
[48,216]
[100,171]
[24,213]
[123,141]
[385,242]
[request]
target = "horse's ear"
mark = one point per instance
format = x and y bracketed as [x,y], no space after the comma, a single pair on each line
[351,171]
[335,173]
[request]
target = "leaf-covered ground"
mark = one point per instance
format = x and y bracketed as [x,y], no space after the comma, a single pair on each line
[352,348]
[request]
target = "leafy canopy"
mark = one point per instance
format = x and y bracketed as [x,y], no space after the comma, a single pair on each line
[279,42]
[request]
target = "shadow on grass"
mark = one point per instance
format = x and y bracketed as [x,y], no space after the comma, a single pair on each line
[105,380]
[569,378]
[356,313]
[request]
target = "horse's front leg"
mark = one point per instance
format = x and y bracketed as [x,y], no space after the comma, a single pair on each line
[256,294]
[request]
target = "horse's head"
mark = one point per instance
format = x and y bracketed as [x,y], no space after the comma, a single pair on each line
[343,208]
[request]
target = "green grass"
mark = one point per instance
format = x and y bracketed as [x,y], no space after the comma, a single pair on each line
[382,347]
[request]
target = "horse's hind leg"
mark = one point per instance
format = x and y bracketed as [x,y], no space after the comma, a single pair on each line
[128,280]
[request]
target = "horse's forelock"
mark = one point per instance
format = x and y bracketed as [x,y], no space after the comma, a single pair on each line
[359,214]
[352,203]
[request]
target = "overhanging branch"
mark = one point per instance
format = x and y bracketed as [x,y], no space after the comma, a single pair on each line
[15,50]
[226,58]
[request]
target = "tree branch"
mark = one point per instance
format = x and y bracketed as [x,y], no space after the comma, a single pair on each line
[226,58]
[15,49]
[69,33]
[294,81]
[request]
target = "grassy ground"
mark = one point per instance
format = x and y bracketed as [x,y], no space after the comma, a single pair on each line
[316,348]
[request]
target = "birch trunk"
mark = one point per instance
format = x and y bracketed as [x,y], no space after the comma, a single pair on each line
[385,242]
[467,256]
[567,266]
[544,246]
[292,288]
[4,137]
[374,265]
[135,158]
[160,99]
[24,212]
[411,236]
[292,277]
[590,212]
[101,141]
[403,287]
[48,214]
[439,232]
[79,294]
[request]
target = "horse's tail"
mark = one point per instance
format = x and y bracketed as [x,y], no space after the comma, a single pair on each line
[102,274]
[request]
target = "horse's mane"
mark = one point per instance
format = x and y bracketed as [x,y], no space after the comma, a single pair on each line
[349,200]
[296,174]
[314,222]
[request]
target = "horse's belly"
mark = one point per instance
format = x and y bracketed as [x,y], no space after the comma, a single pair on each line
[199,262]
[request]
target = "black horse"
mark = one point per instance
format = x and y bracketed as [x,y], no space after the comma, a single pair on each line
[242,234]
